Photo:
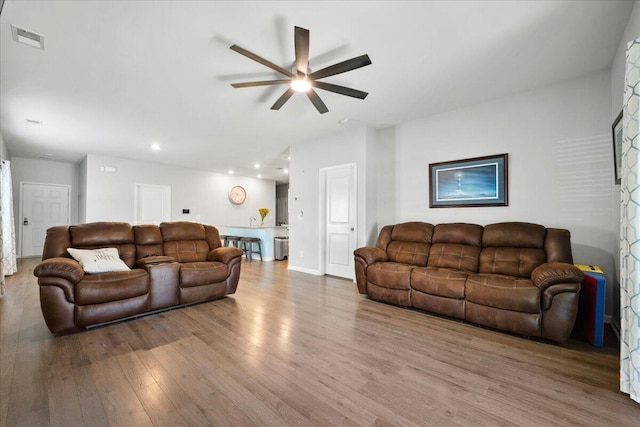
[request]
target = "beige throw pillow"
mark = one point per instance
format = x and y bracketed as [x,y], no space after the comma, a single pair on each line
[98,260]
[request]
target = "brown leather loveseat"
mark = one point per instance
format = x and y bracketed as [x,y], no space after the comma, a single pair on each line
[173,264]
[513,276]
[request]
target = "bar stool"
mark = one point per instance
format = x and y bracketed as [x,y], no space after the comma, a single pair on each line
[223,239]
[247,247]
[232,241]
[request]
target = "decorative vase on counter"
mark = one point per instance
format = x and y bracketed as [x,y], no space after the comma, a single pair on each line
[263,213]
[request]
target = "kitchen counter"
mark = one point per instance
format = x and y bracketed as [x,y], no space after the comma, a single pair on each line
[265,234]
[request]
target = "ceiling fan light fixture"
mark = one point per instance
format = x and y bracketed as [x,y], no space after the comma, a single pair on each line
[301,84]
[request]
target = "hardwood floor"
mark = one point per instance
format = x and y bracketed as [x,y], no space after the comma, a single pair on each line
[294,349]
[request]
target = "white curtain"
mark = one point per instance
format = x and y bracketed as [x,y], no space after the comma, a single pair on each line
[630,230]
[8,264]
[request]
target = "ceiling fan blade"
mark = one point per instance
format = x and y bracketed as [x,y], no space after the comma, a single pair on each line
[261,83]
[341,90]
[316,101]
[284,98]
[261,60]
[301,37]
[342,67]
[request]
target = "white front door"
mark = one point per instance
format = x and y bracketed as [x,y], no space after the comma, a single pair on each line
[152,204]
[340,220]
[42,206]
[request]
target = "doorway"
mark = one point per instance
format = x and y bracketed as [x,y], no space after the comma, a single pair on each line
[338,219]
[152,204]
[41,206]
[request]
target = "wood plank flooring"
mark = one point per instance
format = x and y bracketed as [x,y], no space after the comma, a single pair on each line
[294,349]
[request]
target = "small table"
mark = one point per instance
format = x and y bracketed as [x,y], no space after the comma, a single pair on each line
[590,320]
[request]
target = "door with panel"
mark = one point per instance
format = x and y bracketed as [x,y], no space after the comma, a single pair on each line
[42,206]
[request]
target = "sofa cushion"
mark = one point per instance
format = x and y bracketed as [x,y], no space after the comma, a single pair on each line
[518,262]
[148,240]
[409,243]
[456,246]
[443,282]
[101,234]
[456,256]
[512,248]
[98,235]
[412,232]
[202,273]
[98,260]
[514,234]
[504,292]
[408,252]
[113,286]
[187,250]
[390,275]
[182,230]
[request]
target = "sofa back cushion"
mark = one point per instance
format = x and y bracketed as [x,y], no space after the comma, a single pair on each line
[148,239]
[456,246]
[98,235]
[407,243]
[512,248]
[185,241]
[557,245]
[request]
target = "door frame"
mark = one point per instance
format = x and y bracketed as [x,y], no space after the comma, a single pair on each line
[20,208]
[136,187]
[322,215]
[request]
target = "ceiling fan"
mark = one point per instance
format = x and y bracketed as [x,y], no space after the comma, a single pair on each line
[301,79]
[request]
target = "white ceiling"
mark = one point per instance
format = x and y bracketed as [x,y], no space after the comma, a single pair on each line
[116,76]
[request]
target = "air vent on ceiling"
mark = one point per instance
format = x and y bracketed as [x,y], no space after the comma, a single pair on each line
[27,37]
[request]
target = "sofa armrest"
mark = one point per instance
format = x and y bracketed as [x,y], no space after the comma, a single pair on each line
[553,273]
[153,260]
[371,254]
[224,254]
[65,268]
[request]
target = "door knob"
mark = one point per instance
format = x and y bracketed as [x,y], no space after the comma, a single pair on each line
[352,228]
[26,221]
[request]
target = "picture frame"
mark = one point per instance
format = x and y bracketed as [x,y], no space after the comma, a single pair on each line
[616,133]
[474,182]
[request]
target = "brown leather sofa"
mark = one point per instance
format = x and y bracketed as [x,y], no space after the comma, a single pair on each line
[513,276]
[174,264]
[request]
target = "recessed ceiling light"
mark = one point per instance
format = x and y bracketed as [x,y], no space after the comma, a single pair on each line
[155,146]
[343,121]
[27,37]
[286,171]
[230,172]
[259,176]
[34,122]
[257,165]
[289,158]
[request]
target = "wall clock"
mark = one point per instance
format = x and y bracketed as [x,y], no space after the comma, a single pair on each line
[237,195]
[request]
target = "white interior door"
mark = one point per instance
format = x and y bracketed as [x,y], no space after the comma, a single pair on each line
[42,206]
[341,217]
[153,204]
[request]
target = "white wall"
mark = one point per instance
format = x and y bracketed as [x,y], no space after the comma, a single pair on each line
[4,151]
[560,162]
[82,191]
[385,179]
[42,171]
[110,196]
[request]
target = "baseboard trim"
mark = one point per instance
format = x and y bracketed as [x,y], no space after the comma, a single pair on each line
[304,270]
[615,325]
